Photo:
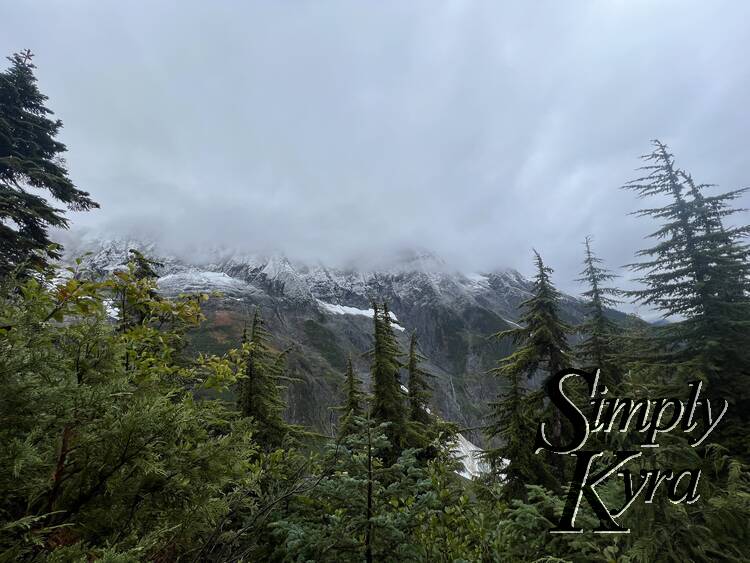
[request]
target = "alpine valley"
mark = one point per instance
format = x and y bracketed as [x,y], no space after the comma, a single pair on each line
[322,315]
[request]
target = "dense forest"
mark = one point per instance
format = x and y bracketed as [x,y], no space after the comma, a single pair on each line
[118,442]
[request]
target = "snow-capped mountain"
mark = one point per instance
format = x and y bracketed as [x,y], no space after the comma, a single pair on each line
[324,315]
[415,280]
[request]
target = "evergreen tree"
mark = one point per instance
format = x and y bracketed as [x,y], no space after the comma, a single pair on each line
[354,394]
[598,348]
[143,267]
[260,389]
[128,296]
[698,276]
[513,423]
[417,384]
[541,345]
[30,158]
[353,403]
[96,460]
[542,339]
[698,271]
[424,428]
[388,405]
[370,504]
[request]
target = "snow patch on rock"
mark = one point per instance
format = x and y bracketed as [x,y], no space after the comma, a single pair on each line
[478,281]
[112,311]
[346,310]
[469,455]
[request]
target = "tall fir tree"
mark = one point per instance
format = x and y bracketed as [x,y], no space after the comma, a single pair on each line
[424,428]
[598,349]
[354,401]
[419,390]
[30,158]
[697,276]
[513,462]
[260,390]
[541,341]
[727,278]
[541,346]
[698,271]
[388,404]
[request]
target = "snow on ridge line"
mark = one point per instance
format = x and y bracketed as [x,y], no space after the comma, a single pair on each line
[478,279]
[195,280]
[346,310]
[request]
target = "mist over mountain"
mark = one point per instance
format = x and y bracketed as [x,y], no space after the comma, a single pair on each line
[323,315]
[347,133]
[374,281]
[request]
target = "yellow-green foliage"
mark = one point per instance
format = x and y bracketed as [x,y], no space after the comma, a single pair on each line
[103,444]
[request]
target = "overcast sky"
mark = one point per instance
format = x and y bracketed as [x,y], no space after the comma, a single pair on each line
[338,130]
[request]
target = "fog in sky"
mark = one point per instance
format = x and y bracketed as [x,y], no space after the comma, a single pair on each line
[349,130]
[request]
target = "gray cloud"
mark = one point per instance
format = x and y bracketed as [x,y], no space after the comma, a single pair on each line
[350,129]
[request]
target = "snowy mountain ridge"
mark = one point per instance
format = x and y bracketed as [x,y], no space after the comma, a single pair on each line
[417,277]
[323,316]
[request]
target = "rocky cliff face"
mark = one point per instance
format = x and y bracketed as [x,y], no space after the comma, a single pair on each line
[322,315]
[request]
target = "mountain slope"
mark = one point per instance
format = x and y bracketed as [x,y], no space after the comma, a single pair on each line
[322,315]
